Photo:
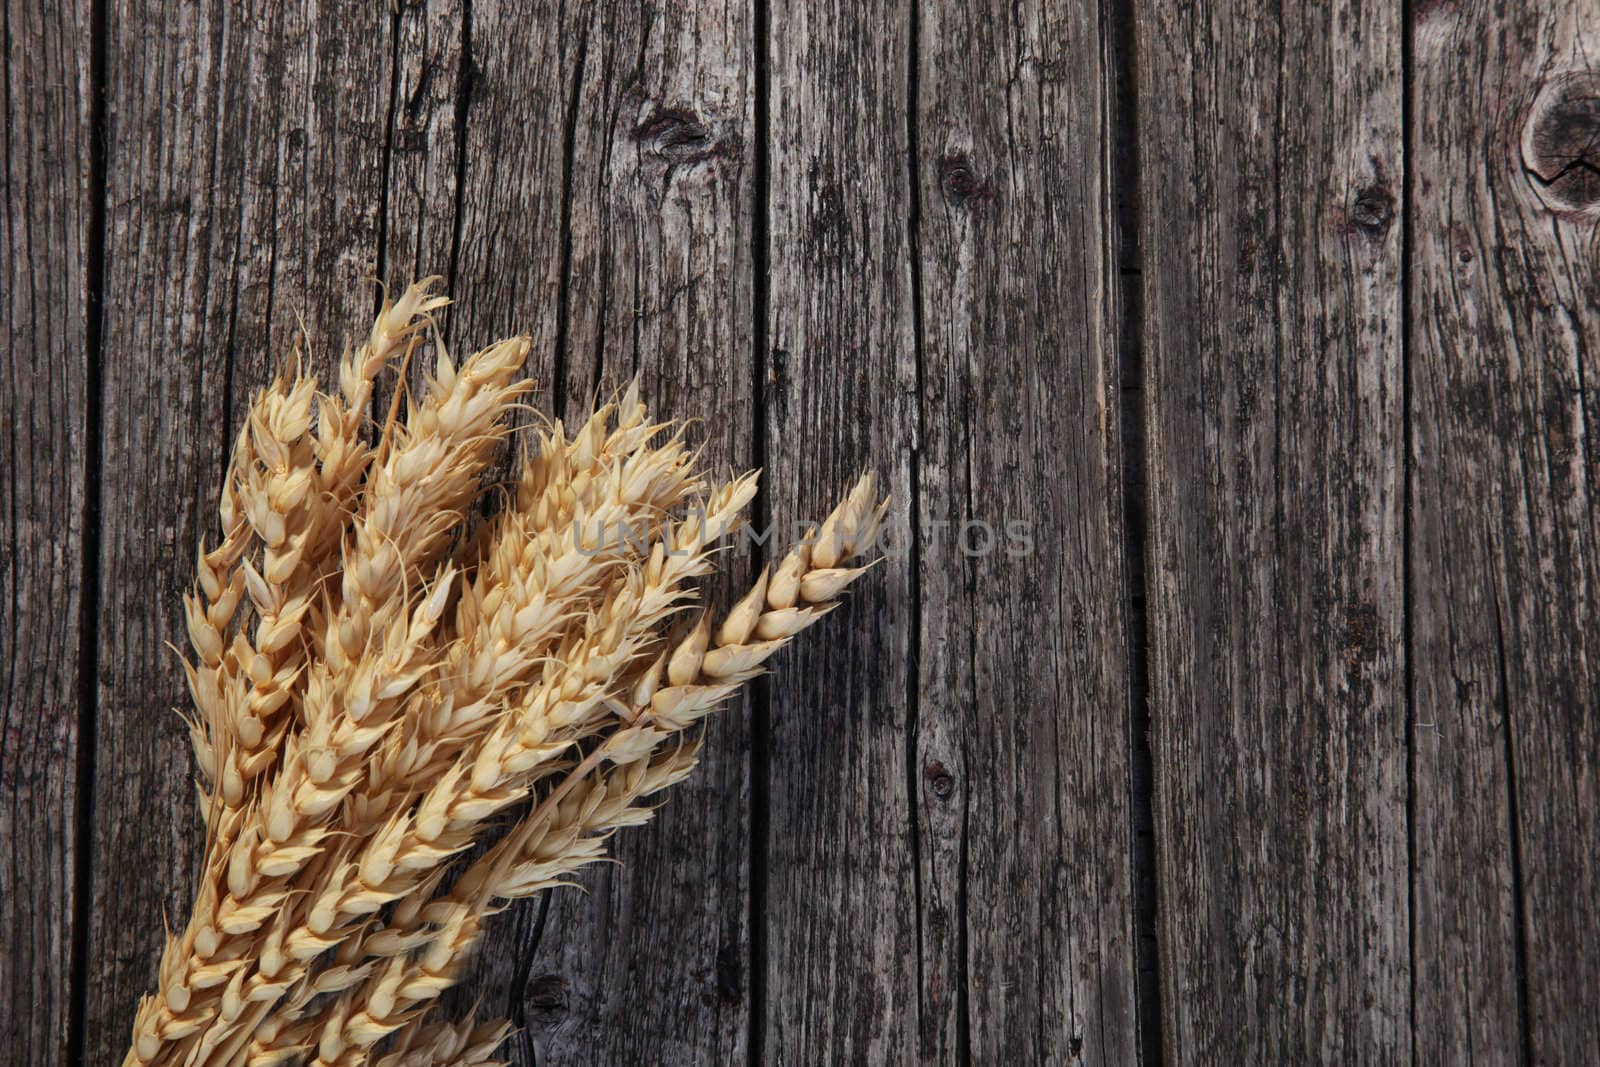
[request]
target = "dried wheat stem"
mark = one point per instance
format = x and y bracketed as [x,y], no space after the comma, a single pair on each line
[542,567]
[341,460]
[571,699]
[534,580]
[291,490]
[376,677]
[243,690]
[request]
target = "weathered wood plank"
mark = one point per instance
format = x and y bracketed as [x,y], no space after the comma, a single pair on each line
[510,70]
[44,235]
[508,271]
[651,964]
[1022,767]
[619,240]
[1270,150]
[1505,541]
[244,175]
[839,918]
[424,161]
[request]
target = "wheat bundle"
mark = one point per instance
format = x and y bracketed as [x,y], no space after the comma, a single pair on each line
[383,679]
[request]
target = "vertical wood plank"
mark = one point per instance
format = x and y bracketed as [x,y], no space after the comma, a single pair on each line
[513,68]
[650,965]
[839,914]
[431,85]
[1270,152]
[1022,767]
[1505,539]
[606,206]
[44,233]
[245,159]
[519,63]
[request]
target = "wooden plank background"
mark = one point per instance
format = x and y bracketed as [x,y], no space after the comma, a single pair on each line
[1271,150]
[1275,325]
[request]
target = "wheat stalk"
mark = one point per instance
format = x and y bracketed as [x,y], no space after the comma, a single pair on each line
[287,490]
[377,679]
[567,705]
[372,870]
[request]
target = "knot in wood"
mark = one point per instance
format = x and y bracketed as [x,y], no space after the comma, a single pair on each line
[1561,142]
[940,780]
[545,998]
[960,183]
[1372,213]
[830,221]
[676,135]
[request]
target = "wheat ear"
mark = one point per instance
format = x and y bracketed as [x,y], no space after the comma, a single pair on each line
[240,684]
[569,827]
[375,648]
[462,1044]
[497,770]
[424,475]
[541,568]
[291,490]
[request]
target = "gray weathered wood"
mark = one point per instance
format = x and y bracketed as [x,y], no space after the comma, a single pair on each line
[838,919]
[606,205]
[508,267]
[651,964]
[907,259]
[1022,770]
[424,142]
[245,151]
[1270,150]
[1505,543]
[44,237]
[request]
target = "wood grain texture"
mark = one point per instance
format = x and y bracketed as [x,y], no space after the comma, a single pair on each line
[605,211]
[518,64]
[848,235]
[838,917]
[512,69]
[431,83]
[1270,150]
[1505,539]
[245,152]
[650,965]
[45,239]
[1022,768]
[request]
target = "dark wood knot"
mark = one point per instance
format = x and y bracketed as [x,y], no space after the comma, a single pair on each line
[1561,142]
[830,220]
[961,184]
[1372,213]
[676,135]
[544,999]
[941,781]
